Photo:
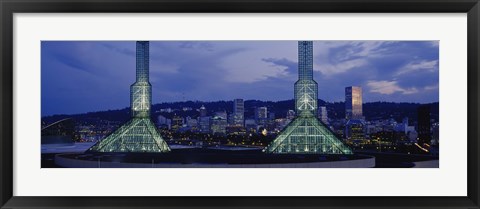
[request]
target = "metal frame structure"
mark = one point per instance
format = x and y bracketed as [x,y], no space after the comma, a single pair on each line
[306,134]
[139,134]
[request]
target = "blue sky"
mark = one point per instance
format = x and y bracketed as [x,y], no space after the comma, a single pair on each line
[83,76]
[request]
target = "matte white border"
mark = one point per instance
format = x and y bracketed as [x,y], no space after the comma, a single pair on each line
[448,180]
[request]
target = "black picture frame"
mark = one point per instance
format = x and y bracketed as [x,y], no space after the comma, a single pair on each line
[10,7]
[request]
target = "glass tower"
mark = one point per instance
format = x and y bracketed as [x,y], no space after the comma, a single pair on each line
[353,102]
[141,90]
[139,134]
[238,112]
[305,89]
[306,134]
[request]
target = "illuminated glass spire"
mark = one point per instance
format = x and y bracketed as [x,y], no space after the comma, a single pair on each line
[306,89]
[141,90]
[306,134]
[139,134]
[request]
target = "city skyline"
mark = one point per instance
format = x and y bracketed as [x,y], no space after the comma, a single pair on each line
[74,80]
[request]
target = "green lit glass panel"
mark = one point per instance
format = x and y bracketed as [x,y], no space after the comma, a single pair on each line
[306,135]
[140,98]
[137,135]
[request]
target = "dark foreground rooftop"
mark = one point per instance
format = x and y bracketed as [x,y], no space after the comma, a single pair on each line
[197,157]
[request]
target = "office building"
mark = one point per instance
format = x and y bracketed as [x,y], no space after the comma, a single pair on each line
[219,123]
[238,112]
[353,103]
[261,115]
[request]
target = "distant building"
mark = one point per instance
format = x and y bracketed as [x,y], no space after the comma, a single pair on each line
[435,134]
[290,114]
[192,123]
[219,123]
[261,115]
[238,112]
[353,103]
[204,124]
[203,111]
[271,116]
[251,125]
[424,126]
[322,114]
[355,130]
[162,121]
[177,122]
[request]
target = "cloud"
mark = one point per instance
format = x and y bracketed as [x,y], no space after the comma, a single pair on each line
[358,49]
[75,73]
[432,87]
[291,67]
[389,87]
[203,45]
[335,57]
[329,69]
[426,65]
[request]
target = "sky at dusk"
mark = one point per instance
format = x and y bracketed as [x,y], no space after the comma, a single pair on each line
[85,76]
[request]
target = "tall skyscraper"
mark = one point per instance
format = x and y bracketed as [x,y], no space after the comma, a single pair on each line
[261,115]
[238,112]
[219,123]
[353,102]
[204,124]
[306,134]
[139,134]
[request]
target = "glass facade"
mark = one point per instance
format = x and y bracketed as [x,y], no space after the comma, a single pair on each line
[353,103]
[306,94]
[140,99]
[139,134]
[306,134]
[238,112]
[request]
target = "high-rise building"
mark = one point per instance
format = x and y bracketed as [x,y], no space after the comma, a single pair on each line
[306,134]
[353,102]
[424,126]
[322,114]
[219,123]
[238,112]
[139,134]
[204,124]
[261,115]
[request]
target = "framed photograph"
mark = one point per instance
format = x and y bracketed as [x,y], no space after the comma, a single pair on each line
[265,104]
